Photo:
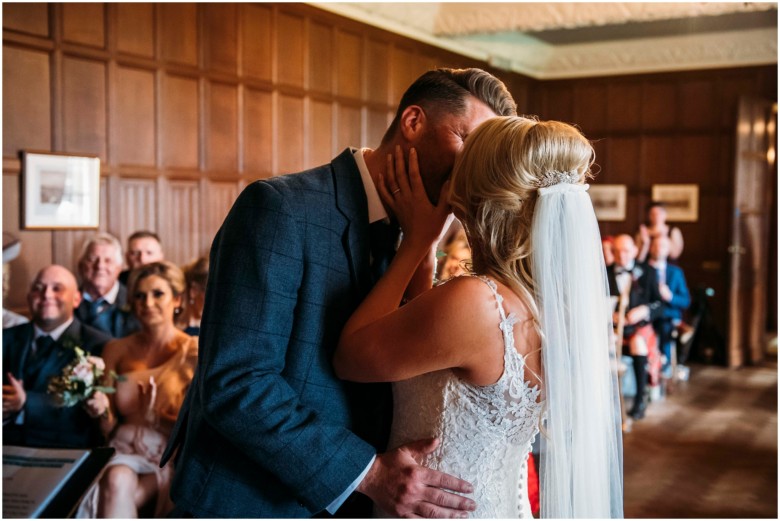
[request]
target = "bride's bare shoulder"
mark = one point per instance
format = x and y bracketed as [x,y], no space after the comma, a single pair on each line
[466,297]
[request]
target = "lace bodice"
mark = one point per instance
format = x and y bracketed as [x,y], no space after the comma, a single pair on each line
[486,432]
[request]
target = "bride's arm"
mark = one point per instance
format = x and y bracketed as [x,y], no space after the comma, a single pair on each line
[421,223]
[422,280]
[454,325]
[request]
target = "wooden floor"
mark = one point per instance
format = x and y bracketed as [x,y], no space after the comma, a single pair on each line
[708,450]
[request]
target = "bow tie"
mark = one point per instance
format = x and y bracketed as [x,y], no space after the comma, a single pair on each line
[620,271]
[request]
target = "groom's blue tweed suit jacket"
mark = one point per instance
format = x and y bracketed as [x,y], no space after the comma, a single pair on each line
[267,430]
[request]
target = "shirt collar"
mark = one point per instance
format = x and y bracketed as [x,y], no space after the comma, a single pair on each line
[657,264]
[55,333]
[109,297]
[376,210]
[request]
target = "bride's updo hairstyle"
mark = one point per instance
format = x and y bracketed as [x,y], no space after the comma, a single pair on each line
[495,184]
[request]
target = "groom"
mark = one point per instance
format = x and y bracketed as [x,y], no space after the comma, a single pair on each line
[267,430]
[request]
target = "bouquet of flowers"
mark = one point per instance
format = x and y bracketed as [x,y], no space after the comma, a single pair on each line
[79,380]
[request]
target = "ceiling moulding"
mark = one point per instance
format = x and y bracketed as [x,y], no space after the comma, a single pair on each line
[532,57]
[467,18]
[637,56]
[420,26]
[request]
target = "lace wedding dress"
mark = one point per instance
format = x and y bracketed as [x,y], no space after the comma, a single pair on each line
[486,432]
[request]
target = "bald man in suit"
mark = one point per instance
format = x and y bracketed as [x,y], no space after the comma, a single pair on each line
[35,352]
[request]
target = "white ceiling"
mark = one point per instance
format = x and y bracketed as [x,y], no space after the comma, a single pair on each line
[555,40]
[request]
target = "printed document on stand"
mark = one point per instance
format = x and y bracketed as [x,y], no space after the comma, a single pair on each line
[33,477]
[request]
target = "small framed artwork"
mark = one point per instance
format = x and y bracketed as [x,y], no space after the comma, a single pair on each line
[609,202]
[60,191]
[681,201]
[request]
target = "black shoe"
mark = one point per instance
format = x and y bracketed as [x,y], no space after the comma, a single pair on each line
[637,412]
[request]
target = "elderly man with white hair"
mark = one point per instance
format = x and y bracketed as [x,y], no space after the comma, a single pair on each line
[104,297]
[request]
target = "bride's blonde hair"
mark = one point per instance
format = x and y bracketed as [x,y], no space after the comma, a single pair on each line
[494,188]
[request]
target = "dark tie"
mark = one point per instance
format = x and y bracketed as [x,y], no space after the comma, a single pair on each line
[383,239]
[43,345]
[35,362]
[94,308]
[98,319]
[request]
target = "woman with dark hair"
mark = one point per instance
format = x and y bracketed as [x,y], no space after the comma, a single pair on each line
[155,367]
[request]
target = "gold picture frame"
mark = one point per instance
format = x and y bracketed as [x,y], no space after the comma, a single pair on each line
[681,201]
[609,201]
[60,191]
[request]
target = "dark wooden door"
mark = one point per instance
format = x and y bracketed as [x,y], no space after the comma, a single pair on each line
[749,250]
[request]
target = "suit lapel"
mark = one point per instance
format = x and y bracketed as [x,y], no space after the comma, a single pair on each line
[352,203]
[25,341]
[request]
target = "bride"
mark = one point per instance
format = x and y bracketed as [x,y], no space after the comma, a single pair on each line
[484,362]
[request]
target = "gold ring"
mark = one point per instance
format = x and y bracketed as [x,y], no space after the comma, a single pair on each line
[396,191]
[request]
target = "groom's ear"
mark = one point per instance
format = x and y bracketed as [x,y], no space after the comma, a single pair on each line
[413,122]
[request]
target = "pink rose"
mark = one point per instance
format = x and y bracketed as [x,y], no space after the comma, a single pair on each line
[83,372]
[98,362]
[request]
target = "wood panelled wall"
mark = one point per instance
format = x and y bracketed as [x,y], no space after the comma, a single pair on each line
[187,103]
[667,128]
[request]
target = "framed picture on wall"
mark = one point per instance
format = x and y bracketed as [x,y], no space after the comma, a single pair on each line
[60,191]
[609,202]
[681,201]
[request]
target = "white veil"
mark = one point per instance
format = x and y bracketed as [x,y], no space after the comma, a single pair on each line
[581,467]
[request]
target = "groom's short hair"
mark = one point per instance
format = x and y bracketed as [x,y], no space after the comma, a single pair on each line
[444,91]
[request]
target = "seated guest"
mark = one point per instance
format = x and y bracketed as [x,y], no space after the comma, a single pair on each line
[143,247]
[35,352]
[606,246]
[11,249]
[640,286]
[155,365]
[105,298]
[656,226]
[196,274]
[674,294]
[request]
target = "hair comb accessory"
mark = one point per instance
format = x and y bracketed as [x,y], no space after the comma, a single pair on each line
[554,178]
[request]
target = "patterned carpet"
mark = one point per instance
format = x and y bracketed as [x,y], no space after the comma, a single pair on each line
[708,450]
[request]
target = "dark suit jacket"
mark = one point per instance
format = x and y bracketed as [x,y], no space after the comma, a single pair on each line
[46,424]
[644,291]
[114,319]
[267,429]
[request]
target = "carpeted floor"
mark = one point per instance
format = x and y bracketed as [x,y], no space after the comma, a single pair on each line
[709,449]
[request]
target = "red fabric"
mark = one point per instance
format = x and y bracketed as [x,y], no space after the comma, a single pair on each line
[533,485]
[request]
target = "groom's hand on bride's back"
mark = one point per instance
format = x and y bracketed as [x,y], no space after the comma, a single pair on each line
[401,487]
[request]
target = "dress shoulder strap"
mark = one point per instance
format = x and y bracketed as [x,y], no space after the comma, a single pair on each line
[499,299]
[508,322]
[507,326]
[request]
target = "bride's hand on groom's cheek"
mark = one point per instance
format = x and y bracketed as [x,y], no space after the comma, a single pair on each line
[401,487]
[403,192]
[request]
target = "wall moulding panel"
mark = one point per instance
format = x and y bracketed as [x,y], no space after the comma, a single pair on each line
[28,19]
